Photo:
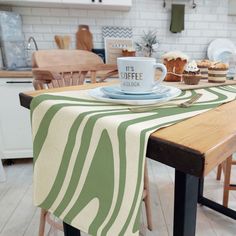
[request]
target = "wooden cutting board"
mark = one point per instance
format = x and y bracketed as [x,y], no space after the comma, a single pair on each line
[202,84]
[84,38]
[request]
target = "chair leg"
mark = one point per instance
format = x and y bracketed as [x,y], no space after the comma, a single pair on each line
[228,164]
[147,200]
[219,171]
[42,222]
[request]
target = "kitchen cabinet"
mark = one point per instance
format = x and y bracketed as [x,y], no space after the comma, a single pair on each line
[101,4]
[28,2]
[15,128]
[87,4]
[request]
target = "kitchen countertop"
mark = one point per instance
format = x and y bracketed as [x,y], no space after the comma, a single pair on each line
[28,74]
[15,74]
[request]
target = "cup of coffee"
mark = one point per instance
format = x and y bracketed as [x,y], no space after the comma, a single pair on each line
[137,74]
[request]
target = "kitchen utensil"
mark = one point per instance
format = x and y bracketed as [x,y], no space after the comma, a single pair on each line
[84,38]
[66,42]
[154,107]
[59,41]
[194,5]
[164,4]
[98,94]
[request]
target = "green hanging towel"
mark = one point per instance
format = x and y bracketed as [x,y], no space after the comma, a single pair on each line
[177,18]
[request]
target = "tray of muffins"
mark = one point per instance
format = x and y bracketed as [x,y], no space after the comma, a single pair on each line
[187,74]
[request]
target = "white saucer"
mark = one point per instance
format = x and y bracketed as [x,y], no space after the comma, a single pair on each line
[116,93]
[160,89]
[98,94]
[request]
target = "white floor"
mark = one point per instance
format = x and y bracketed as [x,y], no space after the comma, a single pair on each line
[18,216]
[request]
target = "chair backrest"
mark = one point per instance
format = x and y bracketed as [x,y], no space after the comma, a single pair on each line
[61,76]
[58,57]
[59,68]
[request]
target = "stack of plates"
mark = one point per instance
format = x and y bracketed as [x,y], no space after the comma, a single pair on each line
[114,94]
[221,50]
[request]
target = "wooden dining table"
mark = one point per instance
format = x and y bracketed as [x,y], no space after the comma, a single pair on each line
[193,147]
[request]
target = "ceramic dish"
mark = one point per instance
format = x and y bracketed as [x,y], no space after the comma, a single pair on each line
[116,88]
[223,55]
[116,93]
[218,46]
[98,94]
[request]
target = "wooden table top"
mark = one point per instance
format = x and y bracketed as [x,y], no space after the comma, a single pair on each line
[194,146]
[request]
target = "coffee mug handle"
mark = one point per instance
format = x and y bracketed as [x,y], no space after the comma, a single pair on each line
[163,75]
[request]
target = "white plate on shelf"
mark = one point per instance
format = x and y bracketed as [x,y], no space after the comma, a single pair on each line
[219,46]
[98,94]
[115,92]
[223,55]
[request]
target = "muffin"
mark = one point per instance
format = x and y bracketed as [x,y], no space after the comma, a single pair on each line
[191,74]
[175,62]
[217,72]
[203,65]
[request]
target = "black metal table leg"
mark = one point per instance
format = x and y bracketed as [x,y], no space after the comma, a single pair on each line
[185,204]
[214,205]
[70,230]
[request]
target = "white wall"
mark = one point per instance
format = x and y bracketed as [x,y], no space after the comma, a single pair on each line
[203,24]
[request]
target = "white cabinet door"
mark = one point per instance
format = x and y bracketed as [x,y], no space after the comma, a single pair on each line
[116,3]
[78,1]
[28,2]
[15,128]
[88,4]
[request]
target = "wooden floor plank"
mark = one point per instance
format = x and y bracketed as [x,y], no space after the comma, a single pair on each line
[19,217]
[9,202]
[11,172]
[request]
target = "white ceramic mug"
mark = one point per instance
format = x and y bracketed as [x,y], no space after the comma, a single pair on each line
[137,74]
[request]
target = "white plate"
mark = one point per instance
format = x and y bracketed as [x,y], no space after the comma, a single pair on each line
[99,95]
[220,45]
[223,55]
[116,93]
[159,88]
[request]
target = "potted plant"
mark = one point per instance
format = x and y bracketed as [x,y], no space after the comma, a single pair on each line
[148,44]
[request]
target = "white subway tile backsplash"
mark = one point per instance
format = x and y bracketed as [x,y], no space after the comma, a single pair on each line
[203,24]
[61,29]
[40,11]
[49,20]
[29,20]
[59,12]
[27,28]
[26,11]
[42,28]
[87,21]
[78,12]
[68,21]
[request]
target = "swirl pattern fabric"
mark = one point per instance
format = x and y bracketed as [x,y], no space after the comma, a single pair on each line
[89,156]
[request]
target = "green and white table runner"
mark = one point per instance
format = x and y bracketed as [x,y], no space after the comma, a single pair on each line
[89,156]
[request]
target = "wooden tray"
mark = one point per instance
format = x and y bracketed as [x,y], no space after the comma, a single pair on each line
[202,84]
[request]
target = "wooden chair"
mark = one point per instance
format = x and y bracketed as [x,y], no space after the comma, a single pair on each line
[68,75]
[226,167]
[71,59]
